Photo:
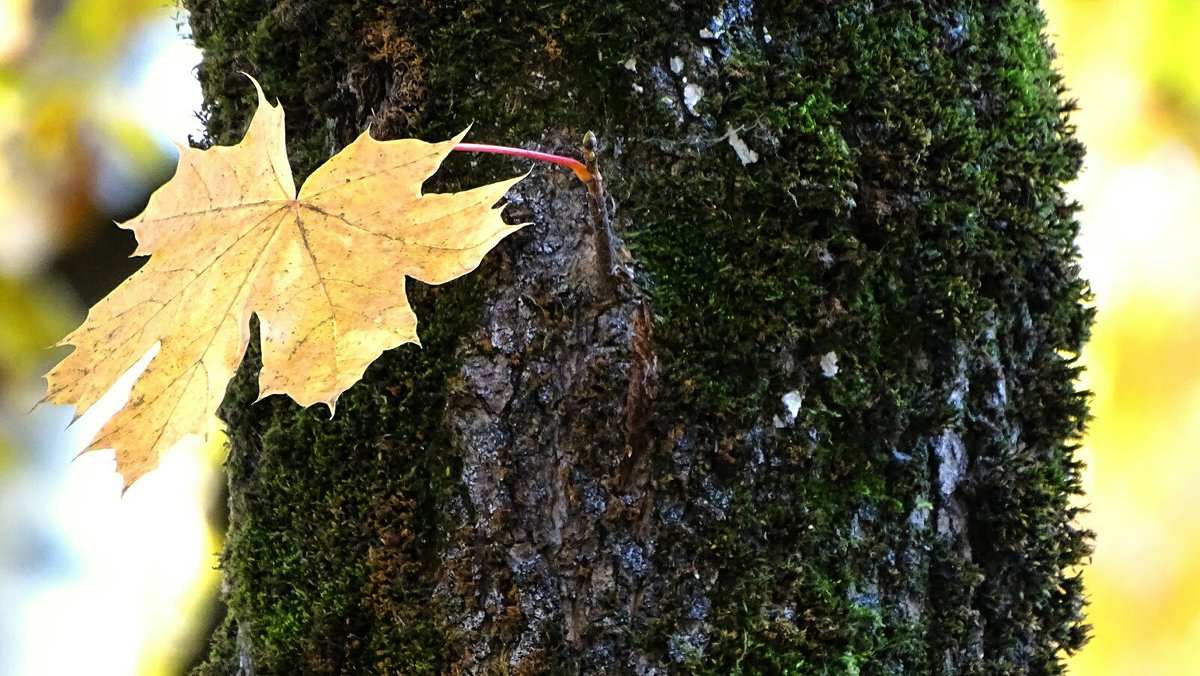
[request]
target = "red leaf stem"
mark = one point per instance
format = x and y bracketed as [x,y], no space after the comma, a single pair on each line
[574,165]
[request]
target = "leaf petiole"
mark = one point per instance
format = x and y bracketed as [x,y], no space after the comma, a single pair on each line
[588,172]
[574,165]
[585,171]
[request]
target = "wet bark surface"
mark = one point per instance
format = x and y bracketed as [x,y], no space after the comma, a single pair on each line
[558,527]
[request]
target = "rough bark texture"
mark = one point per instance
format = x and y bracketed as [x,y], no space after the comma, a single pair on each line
[668,475]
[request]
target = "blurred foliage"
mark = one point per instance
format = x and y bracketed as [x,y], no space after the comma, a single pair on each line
[61,127]
[1135,67]
[73,157]
[59,116]
[1139,54]
[43,320]
[56,66]
[34,314]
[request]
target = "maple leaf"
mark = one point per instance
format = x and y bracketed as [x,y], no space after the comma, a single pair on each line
[324,270]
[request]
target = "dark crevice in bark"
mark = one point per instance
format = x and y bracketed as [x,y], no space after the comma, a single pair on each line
[551,420]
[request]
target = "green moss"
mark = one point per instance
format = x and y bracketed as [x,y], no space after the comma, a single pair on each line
[330,540]
[906,214]
[939,221]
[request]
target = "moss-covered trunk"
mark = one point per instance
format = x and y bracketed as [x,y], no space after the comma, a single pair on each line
[826,425]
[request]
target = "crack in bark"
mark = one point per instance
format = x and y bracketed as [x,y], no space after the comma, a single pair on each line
[558,515]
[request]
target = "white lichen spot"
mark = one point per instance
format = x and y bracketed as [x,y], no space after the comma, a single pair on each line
[706,34]
[792,401]
[952,462]
[637,88]
[631,64]
[676,65]
[744,153]
[791,407]
[766,37]
[829,366]
[958,393]
[691,96]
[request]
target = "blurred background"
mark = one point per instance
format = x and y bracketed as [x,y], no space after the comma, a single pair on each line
[1134,65]
[95,93]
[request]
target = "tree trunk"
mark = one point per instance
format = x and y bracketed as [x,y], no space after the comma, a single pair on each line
[821,419]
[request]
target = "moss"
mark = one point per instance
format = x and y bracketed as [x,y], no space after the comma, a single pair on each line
[906,214]
[331,523]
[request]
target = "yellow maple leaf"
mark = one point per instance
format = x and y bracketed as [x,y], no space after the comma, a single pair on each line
[323,269]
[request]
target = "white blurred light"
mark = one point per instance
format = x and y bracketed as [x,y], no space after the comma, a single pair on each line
[14,27]
[1130,242]
[163,94]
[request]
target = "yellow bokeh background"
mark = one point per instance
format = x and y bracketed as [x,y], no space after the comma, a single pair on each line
[90,582]
[1133,65]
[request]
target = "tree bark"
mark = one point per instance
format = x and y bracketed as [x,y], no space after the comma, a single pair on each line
[818,416]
